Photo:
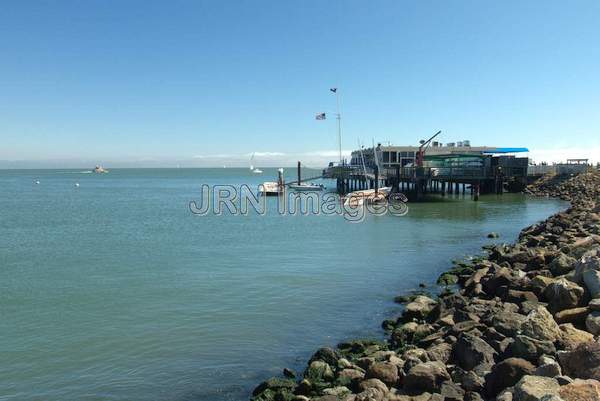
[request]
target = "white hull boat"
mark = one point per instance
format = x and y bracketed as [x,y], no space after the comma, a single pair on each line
[307,187]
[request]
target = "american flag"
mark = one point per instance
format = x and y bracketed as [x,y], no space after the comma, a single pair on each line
[321,116]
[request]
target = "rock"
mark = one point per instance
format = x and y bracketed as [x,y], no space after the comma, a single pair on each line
[349,375]
[274,384]
[319,371]
[493,235]
[506,374]
[594,304]
[591,278]
[471,351]
[529,348]
[562,264]
[592,323]
[586,263]
[540,324]
[452,392]
[583,362]
[339,391]
[473,396]
[508,323]
[534,388]
[373,383]
[541,282]
[440,352]
[326,354]
[419,308]
[572,337]
[547,367]
[505,396]
[427,376]
[581,390]
[370,394]
[468,379]
[289,373]
[384,371]
[517,297]
[574,315]
[563,294]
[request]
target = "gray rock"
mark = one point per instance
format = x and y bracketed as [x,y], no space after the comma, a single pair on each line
[548,367]
[427,376]
[529,348]
[419,308]
[594,304]
[591,278]
[540,324]
[508,323]
[592,323]
[471,351]
[562,264]
[535,388]
[452,392]
[563,294]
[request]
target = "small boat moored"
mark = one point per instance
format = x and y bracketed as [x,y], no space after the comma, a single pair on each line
[307,187]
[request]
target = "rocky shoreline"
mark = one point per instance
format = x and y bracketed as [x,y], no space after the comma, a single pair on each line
[518,324]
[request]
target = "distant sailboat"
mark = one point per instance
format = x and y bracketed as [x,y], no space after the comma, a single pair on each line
[252,168]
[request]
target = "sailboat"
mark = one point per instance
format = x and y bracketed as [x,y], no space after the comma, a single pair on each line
[252,168]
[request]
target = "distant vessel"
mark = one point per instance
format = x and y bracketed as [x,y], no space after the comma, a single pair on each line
[252,168]
[307,187]
[269,188]
[100,170]
[359,198]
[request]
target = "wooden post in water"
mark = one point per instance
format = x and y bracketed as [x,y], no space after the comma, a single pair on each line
[376,179]
[476,197]
[299,172]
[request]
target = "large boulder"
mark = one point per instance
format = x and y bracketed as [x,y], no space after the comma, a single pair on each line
[591,278]
[419,308]
[326,354]
[592,323]
[571,337]
[384,371]
[506,374]
[535,388]
[427,376]
[508,323]
[540,324]
[573,315]
[581,390]
[471,351]
[529,348]
[583,362]
[562,264]
[563,294]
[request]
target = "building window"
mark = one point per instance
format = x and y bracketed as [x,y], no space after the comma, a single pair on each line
[386,157]
[393,157]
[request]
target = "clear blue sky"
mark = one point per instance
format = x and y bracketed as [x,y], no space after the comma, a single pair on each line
[131,81]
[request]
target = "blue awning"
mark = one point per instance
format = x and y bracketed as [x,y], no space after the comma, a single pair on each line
[507,150]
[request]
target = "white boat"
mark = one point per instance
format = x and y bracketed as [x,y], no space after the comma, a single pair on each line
[269,188]
[359,198]
[100,170]
[254,170]
[307,187]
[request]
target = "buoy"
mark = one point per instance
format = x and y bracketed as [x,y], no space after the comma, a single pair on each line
[77,184]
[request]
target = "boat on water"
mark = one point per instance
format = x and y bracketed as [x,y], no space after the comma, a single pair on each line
[269,188]
[368,196]
[100,170]
[312,187]
[255,170]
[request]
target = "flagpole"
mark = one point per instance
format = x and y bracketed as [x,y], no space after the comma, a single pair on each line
[339,123]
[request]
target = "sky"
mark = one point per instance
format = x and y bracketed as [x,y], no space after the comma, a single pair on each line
[208,83]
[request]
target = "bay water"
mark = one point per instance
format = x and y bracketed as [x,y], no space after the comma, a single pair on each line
[114,290]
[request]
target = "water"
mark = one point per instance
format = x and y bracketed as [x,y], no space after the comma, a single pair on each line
[113,290]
